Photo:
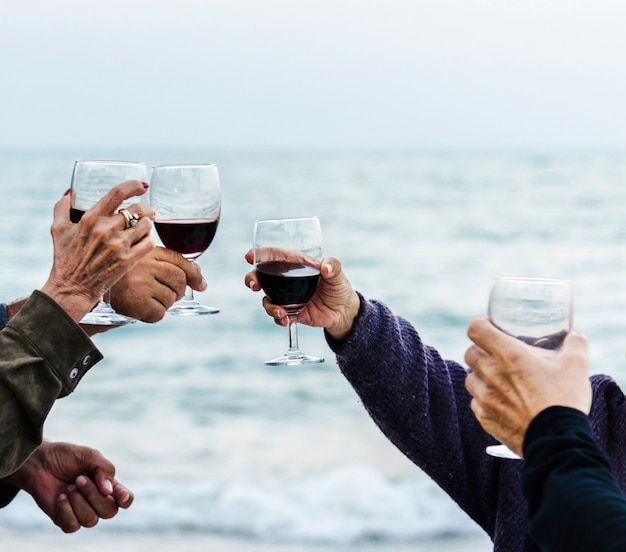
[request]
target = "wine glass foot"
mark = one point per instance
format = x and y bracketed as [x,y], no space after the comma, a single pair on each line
[190,308]
[106,318]
[293,358]
[502,451]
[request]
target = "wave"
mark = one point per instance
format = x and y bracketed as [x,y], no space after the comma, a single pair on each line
[348,505]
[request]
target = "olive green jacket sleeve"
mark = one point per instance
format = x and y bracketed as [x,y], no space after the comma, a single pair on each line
[43,356]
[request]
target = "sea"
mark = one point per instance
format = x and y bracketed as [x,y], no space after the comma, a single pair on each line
[224,453]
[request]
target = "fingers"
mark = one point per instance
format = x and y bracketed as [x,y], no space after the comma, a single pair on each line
[61,209]
[252,281]
[193,272]
[131,217]
[89,503]
[84,504]
[473,356]
[480,330]
[278,313]
[249,256]
[488,337]
[111,201]
[330,269]
[123,496]
[575,343]
[154,284]
[65,517]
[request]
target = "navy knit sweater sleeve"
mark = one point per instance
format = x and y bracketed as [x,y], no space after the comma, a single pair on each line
[574,502]
[420,403]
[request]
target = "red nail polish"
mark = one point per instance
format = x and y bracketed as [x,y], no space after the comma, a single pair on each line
[67,192]
[145,185]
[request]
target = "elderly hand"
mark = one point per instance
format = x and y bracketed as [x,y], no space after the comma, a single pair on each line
[74,485]
[153,285]
[512,382]
[92,255]
[334,306]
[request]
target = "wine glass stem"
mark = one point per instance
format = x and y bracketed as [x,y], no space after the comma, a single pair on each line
[188,294]
[293,332]
[106,298]
[189,298]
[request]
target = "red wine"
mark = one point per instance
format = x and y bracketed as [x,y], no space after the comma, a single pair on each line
[552,342]
[76,214]
[287,283]
[190,237]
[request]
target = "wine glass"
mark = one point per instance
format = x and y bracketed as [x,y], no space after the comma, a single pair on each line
[90,181]
[537,311]
[287,255]
[187,203]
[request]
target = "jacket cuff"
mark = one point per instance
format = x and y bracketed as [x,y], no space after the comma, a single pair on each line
[55,336]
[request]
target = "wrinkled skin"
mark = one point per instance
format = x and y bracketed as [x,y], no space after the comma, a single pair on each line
[74,485]
[511,382]
[91,256]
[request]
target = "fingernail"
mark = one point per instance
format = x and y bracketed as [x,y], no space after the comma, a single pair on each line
[203,284]
[145,185]
[62,497]
[251,285]
[277,314]
[67,192]
[81,481]
[329,268]
[108,486]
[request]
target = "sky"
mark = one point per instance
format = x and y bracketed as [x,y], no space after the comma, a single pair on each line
[313,74]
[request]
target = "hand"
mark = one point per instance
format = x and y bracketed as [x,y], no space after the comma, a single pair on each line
[153,285]
[512,382]
[91,256]
[334,306]
[75,486]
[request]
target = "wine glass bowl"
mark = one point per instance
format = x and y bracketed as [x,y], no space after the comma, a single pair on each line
[187,203]
[537,311]
[91,180]
[287,256]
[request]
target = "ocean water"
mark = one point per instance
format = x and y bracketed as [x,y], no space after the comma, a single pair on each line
[221,450]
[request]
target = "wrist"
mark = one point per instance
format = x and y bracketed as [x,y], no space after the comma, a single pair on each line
[74,303]
[343,327]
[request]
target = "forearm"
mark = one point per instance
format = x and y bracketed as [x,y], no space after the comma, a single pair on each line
[419,401]
[44,356]
[574,502]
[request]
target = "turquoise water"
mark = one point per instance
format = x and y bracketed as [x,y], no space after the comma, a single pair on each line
[212,441]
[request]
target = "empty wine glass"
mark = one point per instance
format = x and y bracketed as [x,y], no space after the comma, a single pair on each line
[287,256]
[187,203]
[90,181]
[537,311]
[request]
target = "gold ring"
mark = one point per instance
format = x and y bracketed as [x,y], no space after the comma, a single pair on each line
[130,219]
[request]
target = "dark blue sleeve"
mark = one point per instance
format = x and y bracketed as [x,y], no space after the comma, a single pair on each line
[574,502]
[3,315]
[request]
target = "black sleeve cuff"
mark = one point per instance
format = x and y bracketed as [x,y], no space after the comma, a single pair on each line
[554,420]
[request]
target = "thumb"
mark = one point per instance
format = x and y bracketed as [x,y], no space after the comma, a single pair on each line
[576,348]
[62,208]
[103,471]
[330,269]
